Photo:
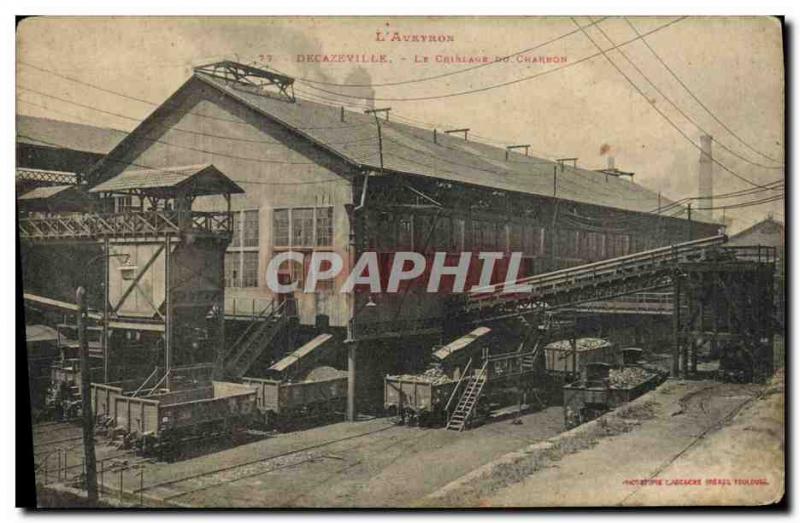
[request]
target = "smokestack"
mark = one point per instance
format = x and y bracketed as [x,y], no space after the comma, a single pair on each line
[705,182]
[610,165]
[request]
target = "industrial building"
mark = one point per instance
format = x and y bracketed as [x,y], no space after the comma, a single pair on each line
[171,233]
[302,176]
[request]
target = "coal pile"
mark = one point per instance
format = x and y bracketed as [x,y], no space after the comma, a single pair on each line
[432,376]
[627,377]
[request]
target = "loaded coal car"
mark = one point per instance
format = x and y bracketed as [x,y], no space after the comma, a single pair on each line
[286,404]
[159,422]
[566,359]
[605,387]
[419,399]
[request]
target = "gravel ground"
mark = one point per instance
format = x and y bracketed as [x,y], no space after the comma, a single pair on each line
[682,433]
[372,463]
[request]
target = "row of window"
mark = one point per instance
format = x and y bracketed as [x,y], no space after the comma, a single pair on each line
[302,227]
[305,227]
[311,227]
[425,233]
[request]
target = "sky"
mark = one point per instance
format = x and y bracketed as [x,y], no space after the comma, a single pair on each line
[562,102]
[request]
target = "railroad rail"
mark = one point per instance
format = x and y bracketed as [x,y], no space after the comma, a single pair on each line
[128,224]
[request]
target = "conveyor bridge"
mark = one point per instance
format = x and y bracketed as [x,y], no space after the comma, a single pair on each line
[640,272]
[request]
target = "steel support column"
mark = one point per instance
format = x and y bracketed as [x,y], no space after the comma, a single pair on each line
[352,350]
[676,324]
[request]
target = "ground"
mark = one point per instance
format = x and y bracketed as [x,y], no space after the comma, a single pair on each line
[688,443]
[685,430]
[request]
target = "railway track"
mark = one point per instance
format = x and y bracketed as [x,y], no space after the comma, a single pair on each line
[171,490]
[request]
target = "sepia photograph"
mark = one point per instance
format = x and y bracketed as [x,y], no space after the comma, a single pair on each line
[400,262]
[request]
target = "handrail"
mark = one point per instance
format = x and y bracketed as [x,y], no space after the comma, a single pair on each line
[256,320]
[670,251]
[458,384]
[157,385]
[126,223]
[136,392]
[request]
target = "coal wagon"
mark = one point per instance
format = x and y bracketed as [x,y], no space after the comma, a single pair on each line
[566,359]
[285,405]
[418,399]
[605,387]
[157,424]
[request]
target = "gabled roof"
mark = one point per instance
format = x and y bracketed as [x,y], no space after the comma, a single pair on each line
[411,150]
[766,232]
[197,180]
[67,135]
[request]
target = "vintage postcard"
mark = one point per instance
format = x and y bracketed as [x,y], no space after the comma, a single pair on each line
[402,262]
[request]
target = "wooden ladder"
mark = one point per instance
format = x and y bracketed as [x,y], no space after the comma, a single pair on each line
[466,405]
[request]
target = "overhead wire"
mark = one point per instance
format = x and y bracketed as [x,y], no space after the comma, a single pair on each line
[675,105]
[694,96]
[633,84]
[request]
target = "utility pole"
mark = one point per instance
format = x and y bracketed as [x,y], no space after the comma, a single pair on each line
[86,401]
[553,234]
[691,226]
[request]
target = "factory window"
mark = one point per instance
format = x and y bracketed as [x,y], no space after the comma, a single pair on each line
[245,229]
[423,232]
[515,237]
[444,240]
[459,239]
[302,227]
[567,243]
[324,226]
[404,232]
[280,227]
[532,240]
[241,260]
[383,232]
[590,245]
[250,269]
[232,269]
[617,245]
[476,236]
[250,232]
[490,236]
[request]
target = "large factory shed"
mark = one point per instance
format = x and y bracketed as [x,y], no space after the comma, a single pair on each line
[319,177]
[47,144]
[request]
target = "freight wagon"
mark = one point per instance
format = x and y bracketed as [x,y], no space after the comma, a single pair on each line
[604,388]
[419,399]
[565,360]
[285,405]
[158,423]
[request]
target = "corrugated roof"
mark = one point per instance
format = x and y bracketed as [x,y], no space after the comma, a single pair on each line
[203,179]
[42,193]
[68,135]
[410,149]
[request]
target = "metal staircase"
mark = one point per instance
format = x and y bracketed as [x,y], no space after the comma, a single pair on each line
[257,337]
[469,399]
